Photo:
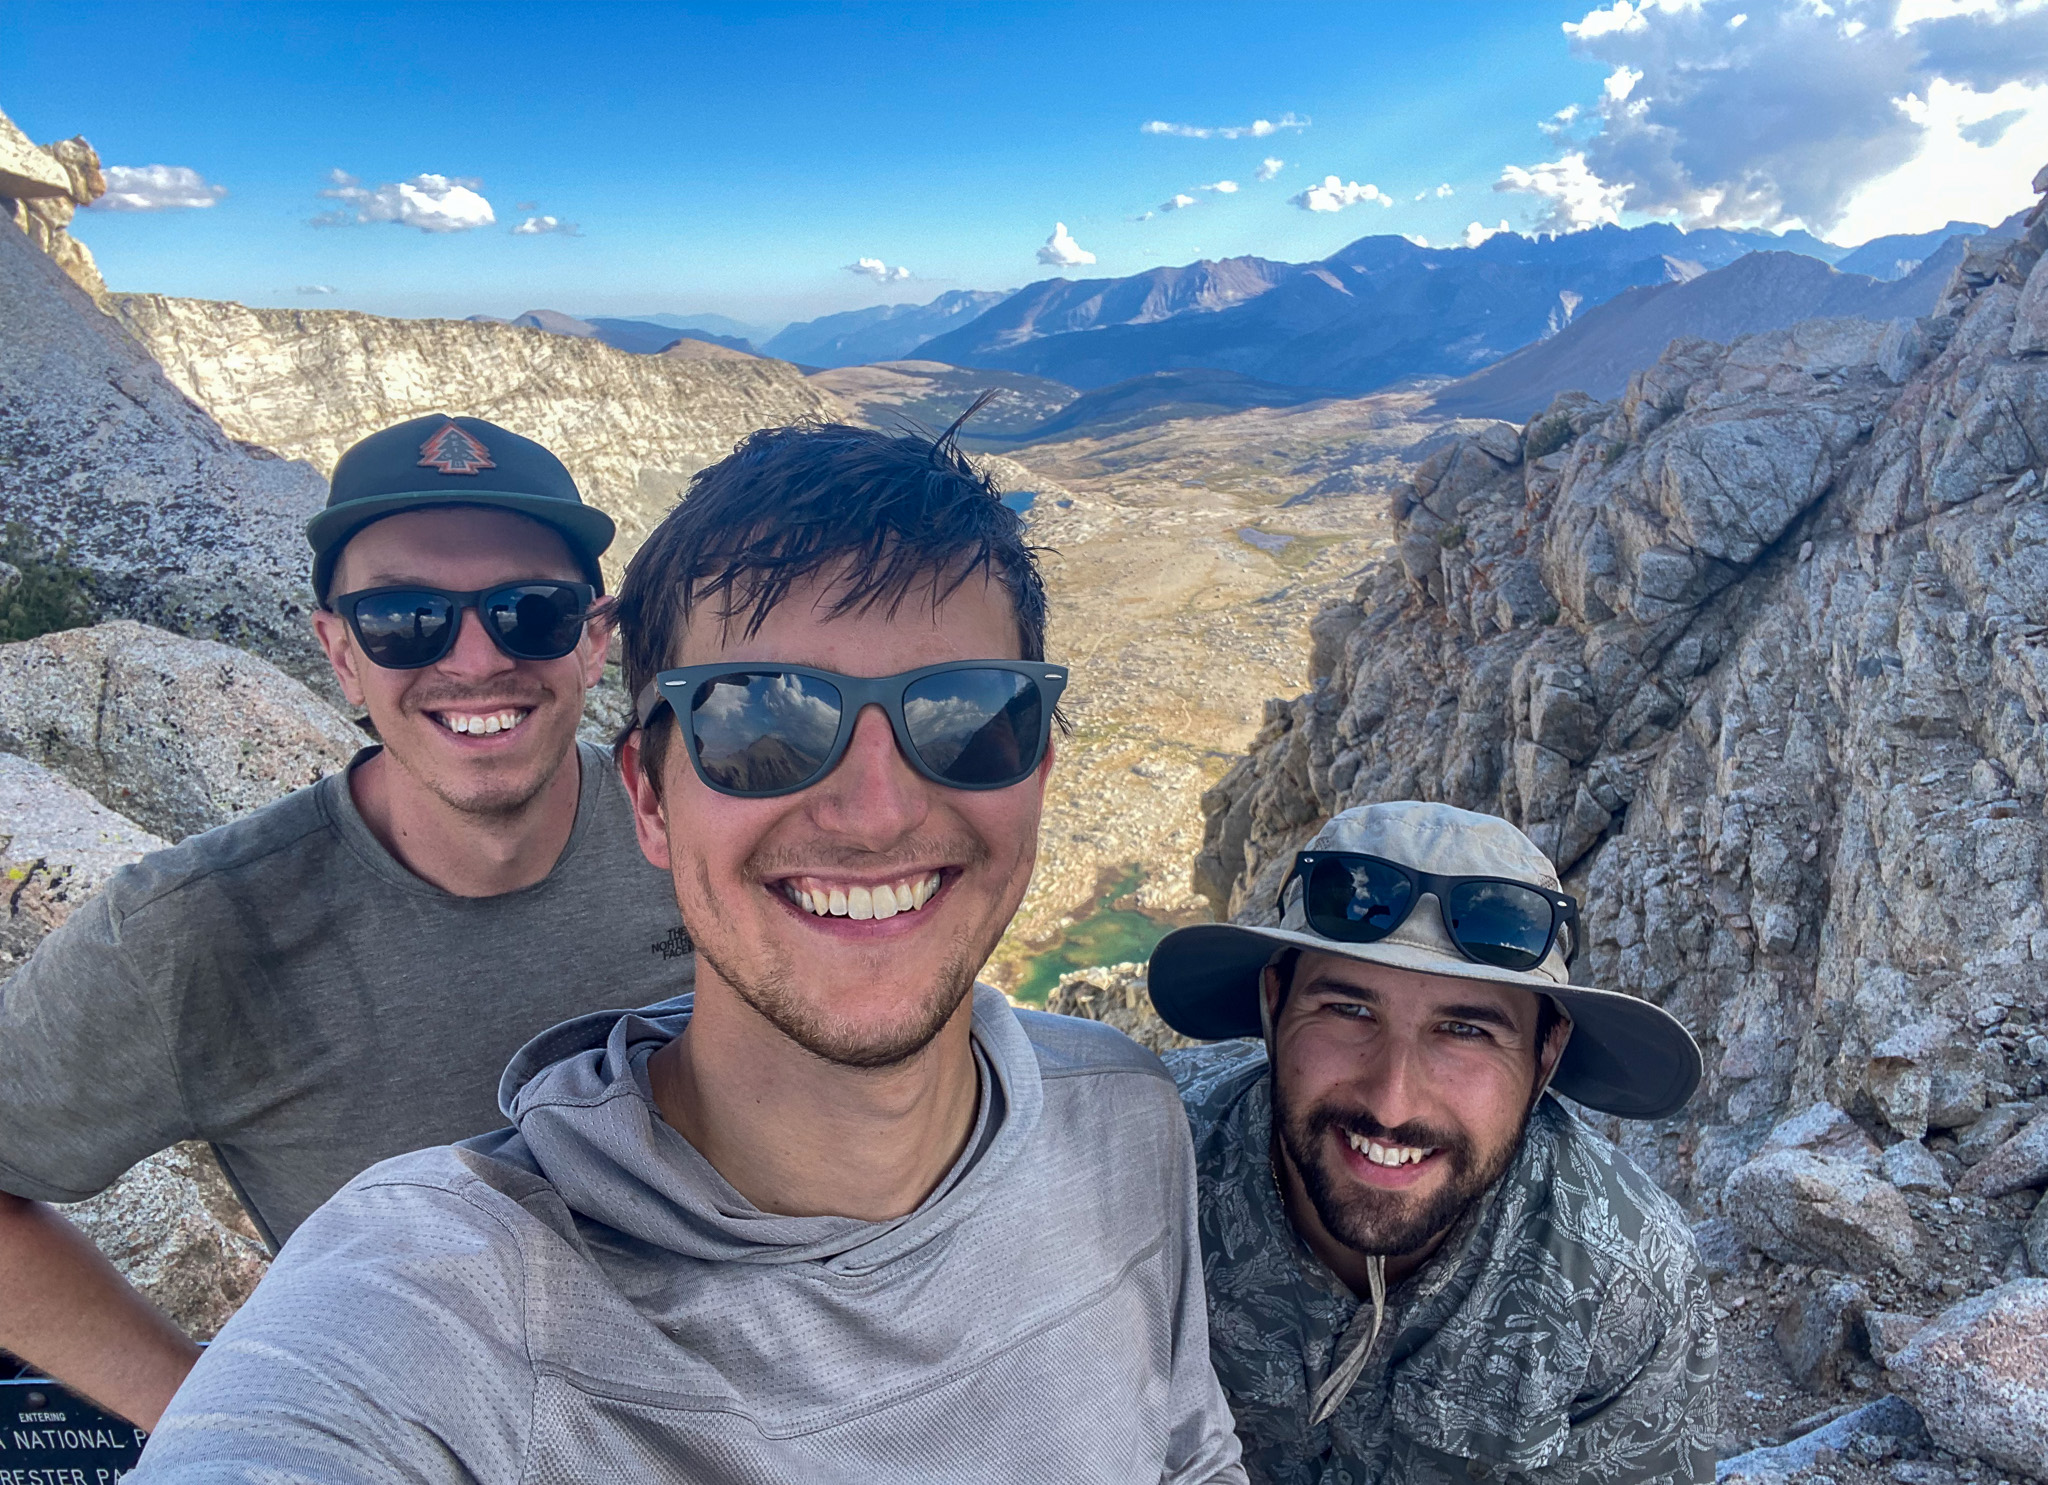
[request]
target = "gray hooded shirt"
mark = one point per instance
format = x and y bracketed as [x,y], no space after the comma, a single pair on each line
[583,1298]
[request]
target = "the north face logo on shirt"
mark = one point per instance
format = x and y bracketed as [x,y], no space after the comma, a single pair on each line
[453,450]
[676,945]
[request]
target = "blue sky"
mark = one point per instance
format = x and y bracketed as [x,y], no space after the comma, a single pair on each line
[737,158]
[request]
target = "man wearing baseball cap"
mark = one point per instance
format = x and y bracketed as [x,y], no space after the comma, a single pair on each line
[342,975]
[1421,1269]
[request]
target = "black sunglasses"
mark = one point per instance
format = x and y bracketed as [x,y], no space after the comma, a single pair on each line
[407,628]
[1359,899]
[754,731]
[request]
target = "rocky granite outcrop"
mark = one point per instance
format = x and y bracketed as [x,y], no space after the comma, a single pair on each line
[1756,653]
[308,383]
[180,734]
[170,521]
[171,1224]
[1979,1376]
[58,846]
[40,189]
[1116,995]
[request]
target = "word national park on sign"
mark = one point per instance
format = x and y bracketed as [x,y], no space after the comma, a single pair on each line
[49,1436]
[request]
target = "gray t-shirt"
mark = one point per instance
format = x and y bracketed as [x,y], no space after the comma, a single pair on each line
[283,988]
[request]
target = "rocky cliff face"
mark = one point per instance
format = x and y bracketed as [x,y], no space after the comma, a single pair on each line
[169,519]
[40,189]
[1758,653]
[308,383]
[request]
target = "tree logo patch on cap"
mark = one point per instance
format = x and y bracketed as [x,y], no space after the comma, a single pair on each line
[453,450]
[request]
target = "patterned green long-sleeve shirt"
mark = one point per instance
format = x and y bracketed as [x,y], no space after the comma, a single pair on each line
[1562,1335]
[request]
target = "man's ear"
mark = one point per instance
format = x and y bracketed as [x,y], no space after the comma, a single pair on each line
[339,646]
[1548,1054]
[650,818]
[600,630]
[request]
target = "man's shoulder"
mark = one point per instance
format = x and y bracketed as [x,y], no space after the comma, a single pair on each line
[1212,1078]
[1602,1202]
[300,823]
[1072,1046]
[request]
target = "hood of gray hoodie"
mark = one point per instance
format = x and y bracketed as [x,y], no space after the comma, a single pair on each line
[579,1099]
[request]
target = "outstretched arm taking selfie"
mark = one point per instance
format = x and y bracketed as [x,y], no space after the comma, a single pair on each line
[65,1310]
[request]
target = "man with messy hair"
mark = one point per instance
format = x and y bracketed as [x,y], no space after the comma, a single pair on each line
[842,1214]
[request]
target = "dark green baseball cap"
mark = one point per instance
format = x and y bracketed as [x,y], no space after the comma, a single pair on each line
[444,460]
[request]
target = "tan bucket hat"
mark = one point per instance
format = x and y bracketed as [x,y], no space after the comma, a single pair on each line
[1626,1056]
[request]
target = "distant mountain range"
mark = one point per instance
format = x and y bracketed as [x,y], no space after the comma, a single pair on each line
[1376,313]
[886,332]
[646,337]
[1602,348]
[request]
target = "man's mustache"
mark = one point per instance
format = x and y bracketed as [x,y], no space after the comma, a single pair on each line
[1414,1133]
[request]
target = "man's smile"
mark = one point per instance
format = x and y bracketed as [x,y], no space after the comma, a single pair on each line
[861,901]
[1388,1166]
[477,722]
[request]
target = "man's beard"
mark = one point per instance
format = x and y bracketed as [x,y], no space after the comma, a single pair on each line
[1391,1223]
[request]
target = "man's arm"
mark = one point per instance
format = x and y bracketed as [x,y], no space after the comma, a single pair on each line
[65,1310]
[87,1088]
[1658,1426]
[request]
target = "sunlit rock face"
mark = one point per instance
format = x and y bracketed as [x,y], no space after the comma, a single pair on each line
[305,384]
[1757,653]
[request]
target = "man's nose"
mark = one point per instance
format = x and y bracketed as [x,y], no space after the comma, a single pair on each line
[873,797]
[474,654]
[1393,1081]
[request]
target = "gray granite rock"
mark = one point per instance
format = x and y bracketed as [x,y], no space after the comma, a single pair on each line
[1887,1418]
[2021,1162]
[179,734]
[1800,1207]
[1888,1331]
[58,846]
[1911,1166]
[1821,1333]
[1978,1373]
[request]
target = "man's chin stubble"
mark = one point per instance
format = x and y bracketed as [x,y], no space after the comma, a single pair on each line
[1370,1222]
[771,998]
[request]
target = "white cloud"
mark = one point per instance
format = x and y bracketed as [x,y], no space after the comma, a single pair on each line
[1334,194]
[1806,113]
[1180,202]
[1575,197]
[1417,238]
[879,271]
[157,188]
[1061,251]
[1256,129]
[1271,166]
[316,288]
[1977,151]
[432,203]
[1440,192]
[1220,187]
[537,226]
[1477,232]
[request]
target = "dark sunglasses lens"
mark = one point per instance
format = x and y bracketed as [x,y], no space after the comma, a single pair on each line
[1357,902]
[535,621]
[976,729]
[763,731]
[402,630]
[1500,923]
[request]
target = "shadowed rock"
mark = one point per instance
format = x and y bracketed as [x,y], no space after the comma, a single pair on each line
[1979,1375]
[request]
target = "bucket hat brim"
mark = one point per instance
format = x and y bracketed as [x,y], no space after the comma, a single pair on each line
[1625,1057]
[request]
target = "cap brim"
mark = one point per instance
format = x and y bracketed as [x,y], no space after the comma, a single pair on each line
[1625,1057]
[588,528]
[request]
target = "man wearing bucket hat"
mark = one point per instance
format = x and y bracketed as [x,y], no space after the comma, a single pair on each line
[341,976]
[1420,1269]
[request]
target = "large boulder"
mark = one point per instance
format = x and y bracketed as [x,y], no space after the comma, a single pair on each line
[179,734]
[173,1227]
[1979,1375]
[1800,1207]
[58,846]
[2019,1163]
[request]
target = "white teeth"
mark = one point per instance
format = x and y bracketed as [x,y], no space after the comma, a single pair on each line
[1380,1154]
[883,901]
[482,726]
